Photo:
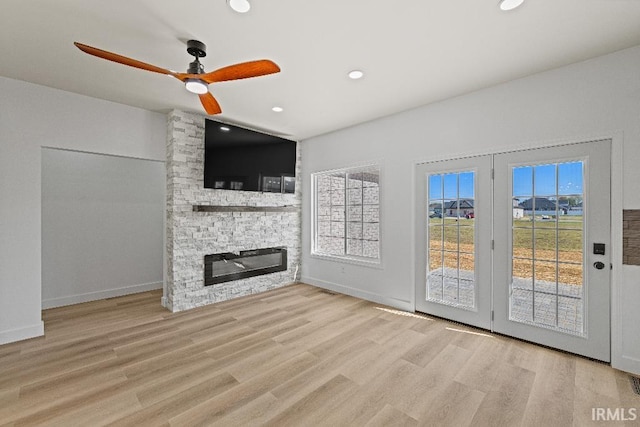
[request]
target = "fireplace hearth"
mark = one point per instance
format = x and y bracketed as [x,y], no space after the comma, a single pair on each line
[229,266]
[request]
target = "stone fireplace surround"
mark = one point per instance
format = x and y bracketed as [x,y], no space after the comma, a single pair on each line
[237,221]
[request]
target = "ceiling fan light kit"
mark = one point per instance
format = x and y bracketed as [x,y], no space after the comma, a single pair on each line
[195,79]
[196,86]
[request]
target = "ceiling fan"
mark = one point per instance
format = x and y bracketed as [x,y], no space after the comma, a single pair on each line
[195,79]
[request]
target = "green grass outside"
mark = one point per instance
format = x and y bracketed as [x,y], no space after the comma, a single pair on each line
[569,229]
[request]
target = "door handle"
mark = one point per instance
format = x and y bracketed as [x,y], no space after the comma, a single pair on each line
[599,265]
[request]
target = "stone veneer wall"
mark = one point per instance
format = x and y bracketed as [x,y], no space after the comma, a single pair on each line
[191,235]
[631,236]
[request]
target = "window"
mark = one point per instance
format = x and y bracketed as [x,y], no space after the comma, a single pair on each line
[347,213]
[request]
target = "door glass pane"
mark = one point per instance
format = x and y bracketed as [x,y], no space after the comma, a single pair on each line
[450,289]
[450,185]
[545,243]
[545,274]
[522,274]
[451,235]
[435,187]
[467,232]
[451,238]
[450,264]
[435,212]
[570,178]
[570,279]
[572,219]
[570,314]
[545,211]
[521,305]
[466,185]
[434,275]
[548,246]
[467,279]
[544,309]
[435,237]
[434,285]
[523,181]
[449,211]
[570,246]
[523,243]
[544,178]
[435,262]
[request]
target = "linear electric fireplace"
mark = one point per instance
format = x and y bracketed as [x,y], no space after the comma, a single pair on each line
[228,266]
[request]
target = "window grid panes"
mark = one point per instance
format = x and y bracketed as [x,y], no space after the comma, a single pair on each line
[347,213]
[451,234]
[547,286]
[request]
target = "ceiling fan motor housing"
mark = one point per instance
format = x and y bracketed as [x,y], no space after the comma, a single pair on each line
[195,67]
[196,48]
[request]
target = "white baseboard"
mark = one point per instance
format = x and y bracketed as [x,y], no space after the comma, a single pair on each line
[22,333]
[163,302]
[93,296]
[358,293]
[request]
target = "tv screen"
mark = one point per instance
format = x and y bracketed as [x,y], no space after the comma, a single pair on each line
[241,159]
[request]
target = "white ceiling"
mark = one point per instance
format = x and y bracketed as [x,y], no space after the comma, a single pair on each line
[413,52]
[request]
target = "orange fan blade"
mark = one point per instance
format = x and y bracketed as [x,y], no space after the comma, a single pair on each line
[122,59]
[210,104]
[243,70]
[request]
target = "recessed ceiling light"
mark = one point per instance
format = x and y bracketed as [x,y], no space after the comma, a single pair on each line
[510,4]
[224,129]
[356,74]
[278,109]
[240,6]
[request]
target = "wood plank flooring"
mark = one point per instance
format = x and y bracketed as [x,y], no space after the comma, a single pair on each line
[294,356]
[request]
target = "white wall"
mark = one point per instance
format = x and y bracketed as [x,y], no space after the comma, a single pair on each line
[33,116]
[102,226]
[597,98]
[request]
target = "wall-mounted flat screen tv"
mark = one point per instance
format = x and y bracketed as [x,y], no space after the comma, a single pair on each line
[241,159]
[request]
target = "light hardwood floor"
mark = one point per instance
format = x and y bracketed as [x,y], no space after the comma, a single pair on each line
[296,356]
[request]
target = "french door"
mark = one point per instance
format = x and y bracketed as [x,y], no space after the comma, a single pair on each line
[525,254]
[454,258]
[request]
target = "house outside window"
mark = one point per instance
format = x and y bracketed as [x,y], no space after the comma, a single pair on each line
[347,214]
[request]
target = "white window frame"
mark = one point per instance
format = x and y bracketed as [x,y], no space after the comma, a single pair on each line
[353,259]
